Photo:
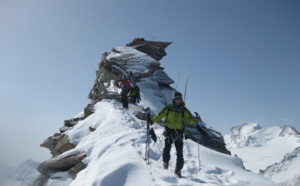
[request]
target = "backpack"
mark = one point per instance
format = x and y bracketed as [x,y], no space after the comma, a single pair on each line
[132,92]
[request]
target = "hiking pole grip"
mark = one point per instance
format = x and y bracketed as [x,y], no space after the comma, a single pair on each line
[148,119]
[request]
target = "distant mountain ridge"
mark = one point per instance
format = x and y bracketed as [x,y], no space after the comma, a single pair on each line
[252,134]
[263,148]
[23,175]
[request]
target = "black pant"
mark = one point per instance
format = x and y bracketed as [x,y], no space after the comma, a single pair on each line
[124,99]
[133,99]
[176,137]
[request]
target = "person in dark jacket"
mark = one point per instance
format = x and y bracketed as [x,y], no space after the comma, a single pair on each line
[176,114]
[134,94]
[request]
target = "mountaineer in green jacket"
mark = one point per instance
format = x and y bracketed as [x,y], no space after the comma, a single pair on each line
[176,114]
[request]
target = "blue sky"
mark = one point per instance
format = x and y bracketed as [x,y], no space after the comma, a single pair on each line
[242,58]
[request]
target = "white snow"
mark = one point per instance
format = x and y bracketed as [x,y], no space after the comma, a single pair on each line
[116,151]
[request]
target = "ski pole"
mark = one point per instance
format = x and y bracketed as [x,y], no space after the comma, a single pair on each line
[147,146]
[198,116]
[199,154]
[147,140]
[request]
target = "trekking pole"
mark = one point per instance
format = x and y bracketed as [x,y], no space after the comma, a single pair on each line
[147,145]
[199,154]
[198,116]
[147,139]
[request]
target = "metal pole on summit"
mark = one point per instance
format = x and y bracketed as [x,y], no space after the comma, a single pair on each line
[186,87]
[177,81]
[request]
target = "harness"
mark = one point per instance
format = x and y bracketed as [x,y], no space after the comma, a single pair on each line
[173,133]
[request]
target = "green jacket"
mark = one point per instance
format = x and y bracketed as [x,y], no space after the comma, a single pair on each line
[174,118]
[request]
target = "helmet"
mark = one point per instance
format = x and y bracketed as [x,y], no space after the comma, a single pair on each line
[123,77]
[177,95]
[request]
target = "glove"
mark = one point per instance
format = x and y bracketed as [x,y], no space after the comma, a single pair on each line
[187,136]
[153,135]
[149,121]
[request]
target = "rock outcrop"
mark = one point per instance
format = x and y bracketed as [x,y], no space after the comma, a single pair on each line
[155,49]
[61,163]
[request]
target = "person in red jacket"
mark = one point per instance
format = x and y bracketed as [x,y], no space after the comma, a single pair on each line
[125,87]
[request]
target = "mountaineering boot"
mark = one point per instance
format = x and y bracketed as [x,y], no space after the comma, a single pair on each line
[178,173]
[165,166]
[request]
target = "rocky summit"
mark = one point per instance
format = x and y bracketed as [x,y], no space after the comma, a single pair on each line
[125,61]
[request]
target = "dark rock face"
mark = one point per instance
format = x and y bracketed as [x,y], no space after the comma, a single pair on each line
[155,49]
[208,137]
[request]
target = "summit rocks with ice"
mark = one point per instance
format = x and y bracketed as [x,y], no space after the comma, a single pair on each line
[263,148]
[105,145]
[136,60]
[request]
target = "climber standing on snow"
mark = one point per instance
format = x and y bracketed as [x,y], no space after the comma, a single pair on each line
[125,87]
[176,114]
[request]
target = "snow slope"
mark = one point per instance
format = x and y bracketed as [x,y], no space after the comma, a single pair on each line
[116,152]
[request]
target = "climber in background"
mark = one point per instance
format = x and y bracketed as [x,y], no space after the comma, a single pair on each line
[125,87]
[134,94]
